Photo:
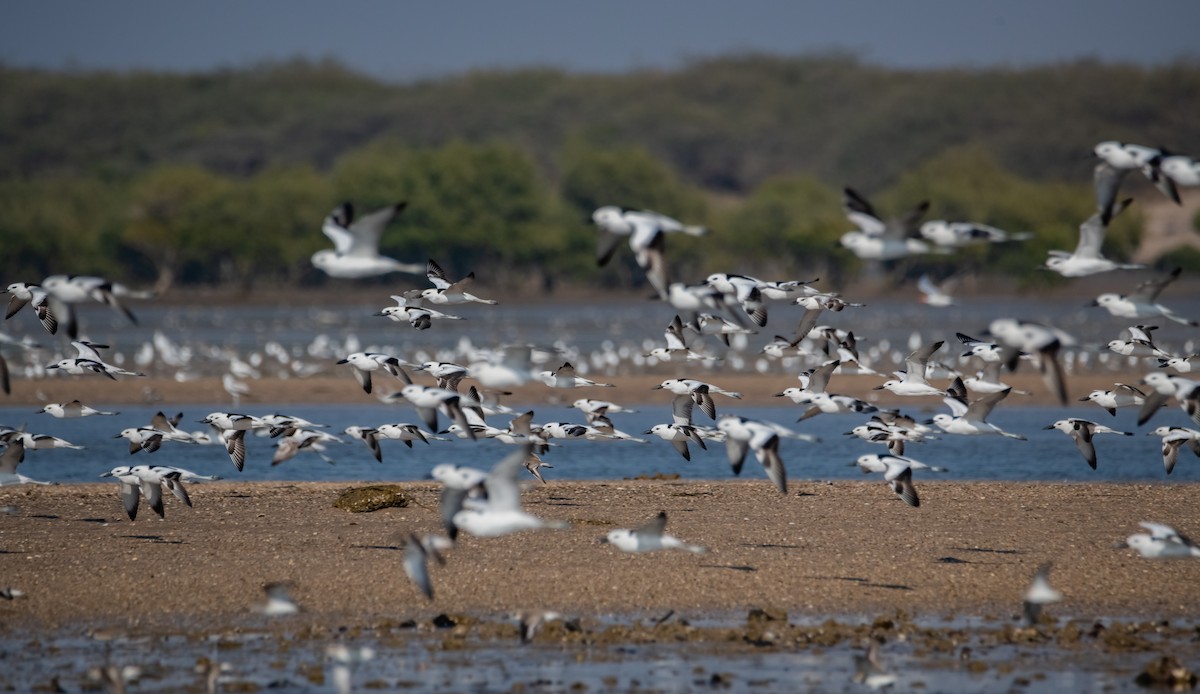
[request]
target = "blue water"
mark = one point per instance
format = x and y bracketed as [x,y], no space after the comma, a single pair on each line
[1046,456]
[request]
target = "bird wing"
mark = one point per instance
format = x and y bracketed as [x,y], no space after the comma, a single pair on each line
[130,497]
[681,409]
[415,566]
[365,233]
[436,275]
[674,334]
[606,246]
[981,407]
[903,485]
[861,214]
[1149,290]
[12,456]
[1159,531]
[916,363]
[819,378]
[153,493]
[501,483]
[1091,232]
[768,455]
[654,527]
[1081,433]
[1106,180]
[736,449]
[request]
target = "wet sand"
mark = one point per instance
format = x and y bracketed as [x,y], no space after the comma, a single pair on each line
[846,548]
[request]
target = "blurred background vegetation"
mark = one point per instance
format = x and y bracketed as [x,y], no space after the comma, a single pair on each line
[223,178]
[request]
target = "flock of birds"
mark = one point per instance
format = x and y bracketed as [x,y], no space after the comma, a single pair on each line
[724,306]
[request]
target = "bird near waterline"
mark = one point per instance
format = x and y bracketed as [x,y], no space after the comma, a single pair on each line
[1039,594]
[1082,431]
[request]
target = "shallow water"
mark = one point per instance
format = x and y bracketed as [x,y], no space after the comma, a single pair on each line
[1046,456]
[935,655]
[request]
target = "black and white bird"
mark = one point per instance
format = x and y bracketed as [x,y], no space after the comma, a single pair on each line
[1162,542]
[1039,594]
[897,472]
[418,550]
[1045,342]
[1142,302]
[1082,431]
[743,435]
[444,291]
[649,537]
[646,232]
[954,235]
[66,290]
[417,315]
[1174,438]
[11,456]
[1087,258]
[876,238]
[355,253]
[72,410]
[366,363]
[88,360]
[501,513]
[1117,159]
[1166,386]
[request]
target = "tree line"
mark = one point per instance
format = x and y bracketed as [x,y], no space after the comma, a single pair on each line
[223,178]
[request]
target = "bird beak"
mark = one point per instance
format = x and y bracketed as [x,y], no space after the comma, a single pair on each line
[602,541]
[779,395]
[877,388]
[1093,303]
[347,361]
[1084,399]
[1051,426]
[1120,545]
[657,387]
[107,474]
[115,437]
[647,432]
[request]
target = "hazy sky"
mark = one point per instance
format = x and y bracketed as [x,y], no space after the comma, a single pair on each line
[402,40]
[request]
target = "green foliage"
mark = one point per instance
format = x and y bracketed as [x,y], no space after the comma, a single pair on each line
[789,227]
[1184,257]
[224,177]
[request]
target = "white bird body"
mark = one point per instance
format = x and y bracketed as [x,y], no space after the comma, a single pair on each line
[355,254]
[649,537]
[1183,170]
[72,410]
[502,514]
[1162,542]
[970,420]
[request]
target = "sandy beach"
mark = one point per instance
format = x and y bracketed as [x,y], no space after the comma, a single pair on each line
[824,549]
